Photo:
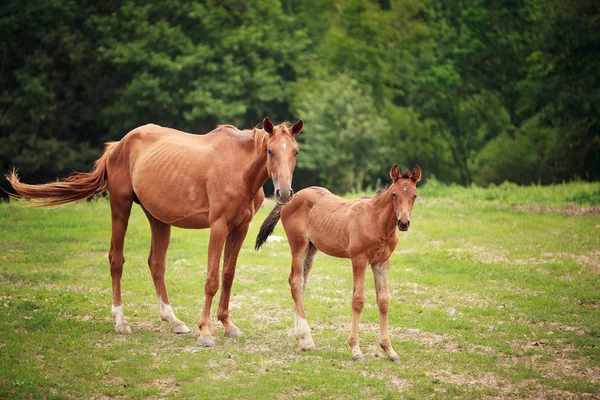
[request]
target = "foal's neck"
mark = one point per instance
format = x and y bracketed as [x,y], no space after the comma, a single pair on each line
[383,208]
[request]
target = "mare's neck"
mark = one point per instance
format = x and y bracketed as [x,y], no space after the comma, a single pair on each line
[383,208]
[255,172]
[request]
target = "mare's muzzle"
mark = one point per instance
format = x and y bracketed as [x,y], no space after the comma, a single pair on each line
[283,196]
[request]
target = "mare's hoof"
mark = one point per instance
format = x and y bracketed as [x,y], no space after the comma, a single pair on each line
[180,328]
[395,359]
[235,333]
[358,358]
[123,328]
[206,341]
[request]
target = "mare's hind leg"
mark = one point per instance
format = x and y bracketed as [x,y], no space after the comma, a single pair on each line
[157,261]
[233,244]
[120,210]
[303,253]
[380,273]
[359,266]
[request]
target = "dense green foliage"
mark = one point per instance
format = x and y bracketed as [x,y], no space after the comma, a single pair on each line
[487,300]
[474,91]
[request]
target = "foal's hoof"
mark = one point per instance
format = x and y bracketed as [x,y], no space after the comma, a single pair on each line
[234,333]
[395,359]
[307,345]
[180,328]
[358,358]
[205,341]
[123,328]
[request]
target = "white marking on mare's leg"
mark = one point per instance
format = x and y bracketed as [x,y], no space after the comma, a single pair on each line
[121,325]
[167,314]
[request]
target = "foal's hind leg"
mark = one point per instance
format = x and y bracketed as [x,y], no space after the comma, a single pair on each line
[120,210]
[359,265]
[303,253]
[157,261]
[380,273]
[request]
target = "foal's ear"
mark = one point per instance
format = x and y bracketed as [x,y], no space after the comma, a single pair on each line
[268,125]
[297,127]
[416,174]
[395,173]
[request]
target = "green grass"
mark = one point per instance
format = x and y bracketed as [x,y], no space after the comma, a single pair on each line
[494,294]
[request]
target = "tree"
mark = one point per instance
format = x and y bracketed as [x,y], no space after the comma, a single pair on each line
[341,147]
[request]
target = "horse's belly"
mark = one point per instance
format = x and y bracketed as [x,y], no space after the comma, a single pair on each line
[329,244]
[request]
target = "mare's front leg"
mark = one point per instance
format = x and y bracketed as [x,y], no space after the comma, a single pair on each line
[234,242]
[380,273]
[359,265]
[218,233]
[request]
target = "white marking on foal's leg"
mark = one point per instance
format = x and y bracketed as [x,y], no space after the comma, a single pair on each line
[121,325]
[167,314]
[303,334]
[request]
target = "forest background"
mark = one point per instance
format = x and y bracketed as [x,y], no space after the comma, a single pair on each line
[475,92]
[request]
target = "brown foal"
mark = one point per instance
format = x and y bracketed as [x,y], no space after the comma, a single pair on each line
[188,181]
[363,230]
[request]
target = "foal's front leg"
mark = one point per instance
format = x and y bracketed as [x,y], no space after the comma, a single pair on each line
[380,273]
[359,265]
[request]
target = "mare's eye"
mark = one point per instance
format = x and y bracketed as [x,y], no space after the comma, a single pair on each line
[414,197]
[270,152]
[393,195]
[296,153]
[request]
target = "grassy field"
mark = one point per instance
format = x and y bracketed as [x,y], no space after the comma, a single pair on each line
[495,293]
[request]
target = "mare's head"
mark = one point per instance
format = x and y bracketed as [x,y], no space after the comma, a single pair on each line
[404,193]
[282,151]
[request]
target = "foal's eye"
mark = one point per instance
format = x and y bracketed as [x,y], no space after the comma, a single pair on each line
[414,197]
[393,195]
[296,153]
[270,152]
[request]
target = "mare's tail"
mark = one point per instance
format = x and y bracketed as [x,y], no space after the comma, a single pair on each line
[78,186]
[267,226]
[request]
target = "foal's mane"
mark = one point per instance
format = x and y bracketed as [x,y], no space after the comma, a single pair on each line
[405,174]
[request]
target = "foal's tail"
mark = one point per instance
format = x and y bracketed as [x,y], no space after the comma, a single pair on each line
[78,186]
[267,226]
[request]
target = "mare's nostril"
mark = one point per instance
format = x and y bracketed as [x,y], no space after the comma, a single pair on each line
[291,193]
[277,193]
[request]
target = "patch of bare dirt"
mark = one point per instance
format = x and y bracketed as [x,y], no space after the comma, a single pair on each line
[569,210]
[481,254]
[487,380]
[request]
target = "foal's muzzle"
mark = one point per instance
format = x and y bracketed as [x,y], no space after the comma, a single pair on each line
[403,226]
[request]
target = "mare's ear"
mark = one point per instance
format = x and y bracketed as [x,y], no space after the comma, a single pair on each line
[416,174]
[268,125]
[395,173]
[297,127]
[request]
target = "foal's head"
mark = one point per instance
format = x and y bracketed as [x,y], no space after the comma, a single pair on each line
[404,193]
[282,150]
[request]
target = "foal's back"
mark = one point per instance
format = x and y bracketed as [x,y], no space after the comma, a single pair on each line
[330,222]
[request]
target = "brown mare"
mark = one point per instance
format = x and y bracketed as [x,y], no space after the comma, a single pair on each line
[188,181]
[363,230]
